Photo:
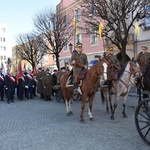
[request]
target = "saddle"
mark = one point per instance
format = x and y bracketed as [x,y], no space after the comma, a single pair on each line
[114,75]
[82,74]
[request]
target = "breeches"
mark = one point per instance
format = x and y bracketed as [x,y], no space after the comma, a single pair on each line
[75,74]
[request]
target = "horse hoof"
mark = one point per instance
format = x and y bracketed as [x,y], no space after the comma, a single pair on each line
[82,121]
[125,116]
[70,113]
[112,117]
[91,119]
[107,111]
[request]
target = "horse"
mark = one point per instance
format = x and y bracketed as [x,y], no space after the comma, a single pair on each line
[121,86]
[143,83]
[88,88]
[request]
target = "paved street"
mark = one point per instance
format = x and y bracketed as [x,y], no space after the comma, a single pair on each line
[43,125]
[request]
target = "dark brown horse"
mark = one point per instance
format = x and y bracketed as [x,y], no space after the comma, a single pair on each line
[88,87]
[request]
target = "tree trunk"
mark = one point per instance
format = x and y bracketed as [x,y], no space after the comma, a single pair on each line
[123,52]
[57,61]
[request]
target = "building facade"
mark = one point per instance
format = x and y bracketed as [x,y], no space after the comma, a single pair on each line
[92,45]
[3,43]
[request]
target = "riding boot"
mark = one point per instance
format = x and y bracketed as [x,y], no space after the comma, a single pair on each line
[75,85]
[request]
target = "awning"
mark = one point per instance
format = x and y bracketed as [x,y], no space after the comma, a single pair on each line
[92,62]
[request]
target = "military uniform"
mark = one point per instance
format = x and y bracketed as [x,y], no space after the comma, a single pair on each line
[80,61]
[143,59]
[48,83]
[40,87]
[113,64]
[60,73]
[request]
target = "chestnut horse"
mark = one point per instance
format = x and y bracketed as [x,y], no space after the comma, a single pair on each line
[121,86]
[88,87]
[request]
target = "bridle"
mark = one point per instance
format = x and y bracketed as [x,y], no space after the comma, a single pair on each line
[130,72]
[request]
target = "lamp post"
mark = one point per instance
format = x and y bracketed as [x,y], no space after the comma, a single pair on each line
[70,47]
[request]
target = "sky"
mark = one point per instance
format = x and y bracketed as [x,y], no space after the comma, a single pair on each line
[18,15]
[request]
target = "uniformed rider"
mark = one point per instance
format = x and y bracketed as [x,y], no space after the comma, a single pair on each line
[78,61]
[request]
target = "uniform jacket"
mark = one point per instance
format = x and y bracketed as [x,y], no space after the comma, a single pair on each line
[29,80]
[143,59]
[113,64]
[39,83]
[2,80]
[81,60]
[10,83]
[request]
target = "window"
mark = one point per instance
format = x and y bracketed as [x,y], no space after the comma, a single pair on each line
[2,30]
[2,39]
[79,38]
[93,9]
[2,48]
[65,21]
[78,15]
[94,37]
[147,20]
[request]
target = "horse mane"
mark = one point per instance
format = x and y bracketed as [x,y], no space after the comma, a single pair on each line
[119,57]
[122,70]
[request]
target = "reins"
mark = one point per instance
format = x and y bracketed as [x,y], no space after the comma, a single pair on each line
[97,76]
[130,72]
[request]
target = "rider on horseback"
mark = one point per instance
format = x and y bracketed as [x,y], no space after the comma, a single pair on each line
[143,59]
[113,67]
[78,61]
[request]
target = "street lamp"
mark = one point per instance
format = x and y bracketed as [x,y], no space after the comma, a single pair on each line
[70,47]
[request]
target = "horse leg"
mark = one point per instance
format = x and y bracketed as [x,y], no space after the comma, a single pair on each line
[115,105]
[110,103]
[124,105]
[68,103]
[90,107]
[82,108]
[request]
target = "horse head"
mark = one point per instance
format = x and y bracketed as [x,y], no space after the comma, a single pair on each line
[100,68]
[135,68]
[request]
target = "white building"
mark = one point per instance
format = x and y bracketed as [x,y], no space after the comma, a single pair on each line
[4,48]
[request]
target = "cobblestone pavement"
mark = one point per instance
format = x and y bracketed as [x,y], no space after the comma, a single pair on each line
[43,125]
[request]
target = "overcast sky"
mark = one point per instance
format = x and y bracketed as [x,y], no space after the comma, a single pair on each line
[18,15]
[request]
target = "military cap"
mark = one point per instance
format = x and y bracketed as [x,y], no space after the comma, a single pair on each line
[144,47]
[109,49]
[78,45]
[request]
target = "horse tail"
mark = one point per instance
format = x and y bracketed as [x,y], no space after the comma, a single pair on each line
[102,96]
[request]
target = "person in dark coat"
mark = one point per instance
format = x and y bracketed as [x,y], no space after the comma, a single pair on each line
[20,88]
[48,85]
[2,83]
[39,76]
[10,86]
[54,75]
[29,85]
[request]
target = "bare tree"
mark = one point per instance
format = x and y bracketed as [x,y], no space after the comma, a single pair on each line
[118,17]
[55,31]
[29,48]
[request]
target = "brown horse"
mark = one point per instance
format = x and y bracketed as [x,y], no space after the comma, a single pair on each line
[121,86]
[88,87]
